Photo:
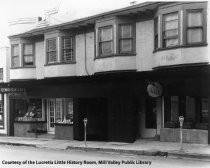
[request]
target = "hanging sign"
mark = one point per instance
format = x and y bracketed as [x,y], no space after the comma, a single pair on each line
[11,90]
[155,89]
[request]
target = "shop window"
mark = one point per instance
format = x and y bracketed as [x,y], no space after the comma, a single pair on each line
[1,74]
[126,38]
[194,26]
[170,30]
[105,40]
[28,56]
[51,50]
[60,111]
[67,49]
[30,110]
[15,56]
[194,110]
[1,113]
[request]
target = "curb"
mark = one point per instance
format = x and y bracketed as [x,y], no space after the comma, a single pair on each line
[145,153]
[17,144]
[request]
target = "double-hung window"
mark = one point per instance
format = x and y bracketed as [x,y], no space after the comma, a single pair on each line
[51,50]
[67,49]
[170,30]
[105,40]
[126,38]
[28,57]
[194,26]
[15,56]
[1,74]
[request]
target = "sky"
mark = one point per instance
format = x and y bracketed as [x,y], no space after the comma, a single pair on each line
[68,10]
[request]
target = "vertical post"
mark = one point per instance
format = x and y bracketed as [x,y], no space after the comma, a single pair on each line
[85,134]
[181,120]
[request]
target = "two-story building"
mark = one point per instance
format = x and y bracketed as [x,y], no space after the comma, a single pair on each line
[131,72]
[4,98]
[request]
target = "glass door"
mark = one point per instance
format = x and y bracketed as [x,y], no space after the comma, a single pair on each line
[54,113]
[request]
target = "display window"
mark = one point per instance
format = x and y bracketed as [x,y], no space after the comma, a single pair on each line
[30,110]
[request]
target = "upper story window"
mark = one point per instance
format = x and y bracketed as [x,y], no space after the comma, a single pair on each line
[194,26]
[28,55]
[126,38]
[106,40]
[51,50]
[170,30]
[1,74]
[15,62]
[182,24]
[67,49]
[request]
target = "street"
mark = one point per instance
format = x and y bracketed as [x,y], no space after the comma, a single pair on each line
[19,157]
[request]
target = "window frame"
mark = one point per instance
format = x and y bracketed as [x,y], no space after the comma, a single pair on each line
[1,74]
[127,38]
[48,51]
[100,42]
[171,37]
[195,27]
[15,56]
[64,48]
[33,54]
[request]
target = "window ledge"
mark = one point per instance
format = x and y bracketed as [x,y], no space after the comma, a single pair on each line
[115,55]
[182,46]
[24,67]
[60,63]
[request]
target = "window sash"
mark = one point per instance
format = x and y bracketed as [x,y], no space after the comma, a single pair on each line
[126,38]
[28,55]
[106,40]
[15,62]
[170,29]
[51,50]
[67,49]
[194,29]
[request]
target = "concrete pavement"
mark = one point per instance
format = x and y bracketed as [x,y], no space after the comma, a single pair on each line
[139,147]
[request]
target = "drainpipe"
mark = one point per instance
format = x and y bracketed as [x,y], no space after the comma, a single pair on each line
[86,52]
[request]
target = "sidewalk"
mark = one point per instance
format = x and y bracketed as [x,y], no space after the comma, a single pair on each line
[140,147]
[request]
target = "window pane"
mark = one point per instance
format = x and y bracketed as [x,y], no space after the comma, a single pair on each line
[52,56]
[194,18]
[126,45]
[204,112]
[171,25]
[67,49]
[171,42]
[106,48]
[51,45]
[194,35]
[15,61]
[106,34]
[28,49]
[170,33]
[171,16]
[15,50]
[174,108]
[28,60]
[126,31]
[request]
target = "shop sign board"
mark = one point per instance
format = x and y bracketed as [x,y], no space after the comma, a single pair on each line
[155,89]
[11,90]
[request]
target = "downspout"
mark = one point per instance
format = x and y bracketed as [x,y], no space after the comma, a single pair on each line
[86,52]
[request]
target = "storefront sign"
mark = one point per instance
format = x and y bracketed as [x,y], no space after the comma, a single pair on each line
[11,90]
[154,89]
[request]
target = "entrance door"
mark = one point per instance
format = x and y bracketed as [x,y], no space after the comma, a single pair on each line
[54,113]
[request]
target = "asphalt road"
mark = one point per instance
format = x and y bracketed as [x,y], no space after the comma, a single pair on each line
[28,157]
